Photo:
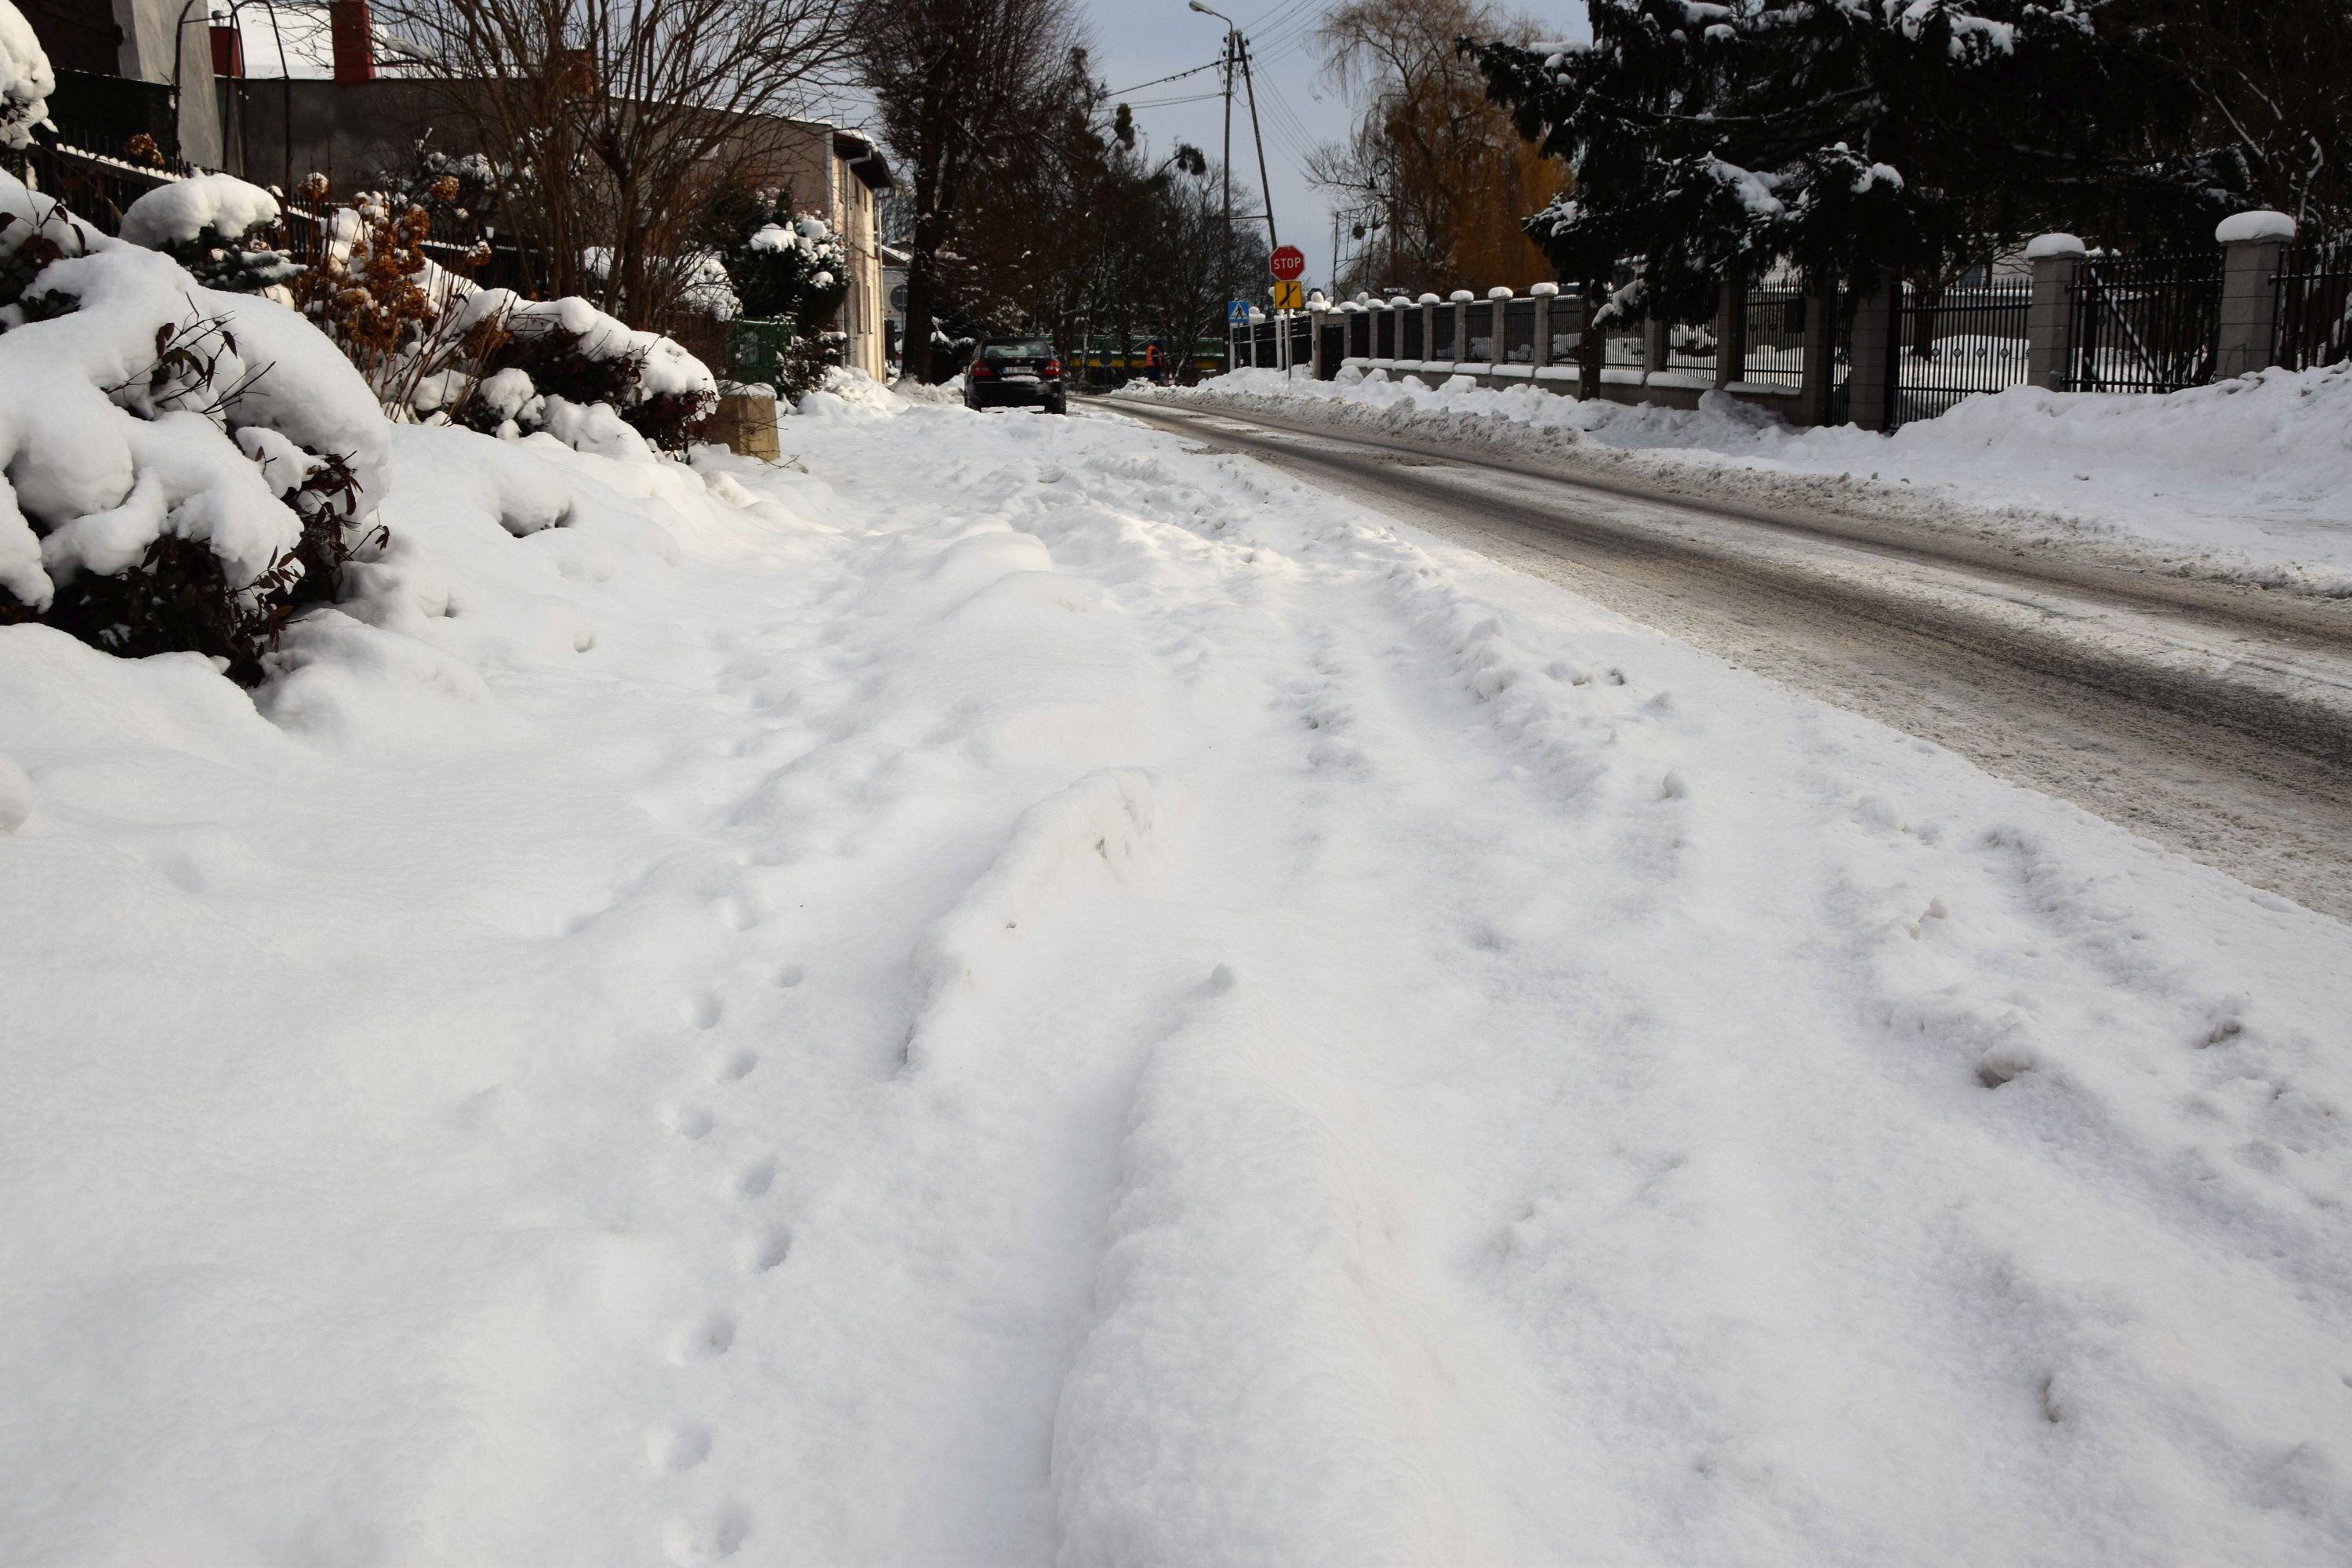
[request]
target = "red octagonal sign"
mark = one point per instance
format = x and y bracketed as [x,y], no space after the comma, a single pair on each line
[1289,264]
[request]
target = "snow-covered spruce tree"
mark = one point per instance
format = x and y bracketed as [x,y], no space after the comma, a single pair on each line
[1847,136]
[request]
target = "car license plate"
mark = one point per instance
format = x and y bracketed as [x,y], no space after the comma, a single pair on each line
[1022,375]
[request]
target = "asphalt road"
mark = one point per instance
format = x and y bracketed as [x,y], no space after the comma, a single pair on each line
[2211,718]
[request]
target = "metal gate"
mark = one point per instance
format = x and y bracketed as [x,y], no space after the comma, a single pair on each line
[1950,342]
[2314,305]
[2144,323]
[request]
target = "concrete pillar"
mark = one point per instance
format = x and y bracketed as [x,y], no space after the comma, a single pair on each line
[1731,330]
[2254,253]
[1653,344]
[1429,309]
[1545,293]
[2056,261]
[1821,354]
[1318,319]
[1870,383]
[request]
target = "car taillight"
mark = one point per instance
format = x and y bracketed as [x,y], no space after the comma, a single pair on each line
[982,370]
[1053,367]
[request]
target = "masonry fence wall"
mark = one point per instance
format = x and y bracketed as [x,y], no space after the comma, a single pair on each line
[2078,321]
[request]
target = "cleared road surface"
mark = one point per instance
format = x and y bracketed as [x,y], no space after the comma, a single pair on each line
[2214,719]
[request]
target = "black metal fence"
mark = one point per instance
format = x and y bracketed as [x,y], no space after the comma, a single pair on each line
[1519,345]
[94,187]
[1384,334]
[1359,334]
[2144,323]
[2315,304]
[1409,321]
[1478,333]
[1775,352]
[1950,342]
[1442,346]
[1302,339]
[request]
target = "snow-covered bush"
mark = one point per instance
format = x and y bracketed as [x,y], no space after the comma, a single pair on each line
[184,467]
[26,79]
[432,343]
[784,266]
[223,230]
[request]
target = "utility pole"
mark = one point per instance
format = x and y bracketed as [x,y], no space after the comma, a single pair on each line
[1273,241]
[1233,55]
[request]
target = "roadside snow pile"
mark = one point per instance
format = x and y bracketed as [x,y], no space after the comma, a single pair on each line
[1027,995]
[2249,480]
[26,79]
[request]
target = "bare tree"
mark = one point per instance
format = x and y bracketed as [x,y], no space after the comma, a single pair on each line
[609,125]
[1435,175]
[958,83]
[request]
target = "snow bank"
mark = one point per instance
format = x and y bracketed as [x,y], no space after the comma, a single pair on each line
[26,79]
[2249,480]
[1021,993]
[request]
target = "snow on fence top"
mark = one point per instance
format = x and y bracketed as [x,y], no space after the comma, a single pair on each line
[2239,228]
[2046,245]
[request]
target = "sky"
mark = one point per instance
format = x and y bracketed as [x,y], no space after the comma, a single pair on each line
[1136,41]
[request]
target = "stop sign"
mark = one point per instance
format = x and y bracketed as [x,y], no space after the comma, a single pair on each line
[1289,263]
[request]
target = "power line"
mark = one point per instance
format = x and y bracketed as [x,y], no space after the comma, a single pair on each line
[1180,76]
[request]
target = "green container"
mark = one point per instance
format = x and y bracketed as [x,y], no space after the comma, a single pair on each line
[755,349]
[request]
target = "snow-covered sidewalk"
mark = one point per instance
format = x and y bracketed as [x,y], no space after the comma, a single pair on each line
[2248,480]
[1009,993]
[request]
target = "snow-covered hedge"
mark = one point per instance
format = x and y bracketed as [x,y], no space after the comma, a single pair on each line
[184,467]
[26,79]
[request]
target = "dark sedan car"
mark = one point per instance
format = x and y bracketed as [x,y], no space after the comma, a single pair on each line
[1016,372]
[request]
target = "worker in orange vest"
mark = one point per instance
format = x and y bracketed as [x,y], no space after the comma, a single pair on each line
[1152,367]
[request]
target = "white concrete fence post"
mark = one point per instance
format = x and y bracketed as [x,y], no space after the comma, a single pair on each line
[2057,263]
[2254,246]
[1428,328]
[1318,313]
[1545,293]
[1460,299]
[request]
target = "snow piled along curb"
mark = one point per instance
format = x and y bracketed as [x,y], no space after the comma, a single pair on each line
[1012,993]
[2249,480]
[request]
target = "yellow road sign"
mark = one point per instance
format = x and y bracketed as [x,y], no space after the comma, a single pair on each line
[1290,295]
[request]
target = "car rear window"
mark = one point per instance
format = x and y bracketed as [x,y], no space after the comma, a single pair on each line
[1025,348]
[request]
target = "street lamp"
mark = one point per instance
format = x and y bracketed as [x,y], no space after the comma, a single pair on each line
[1225,167]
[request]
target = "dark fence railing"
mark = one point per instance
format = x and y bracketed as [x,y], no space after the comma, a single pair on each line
[1442,346]
[1775,337]
[2315,304]
[1690,346]
[1408,322]
[1518,331]
[1384,334]
[1262,343]
[1359,335]
[1953,342]
[2145,323]
[1302,338]
[1479,334]
[94,187]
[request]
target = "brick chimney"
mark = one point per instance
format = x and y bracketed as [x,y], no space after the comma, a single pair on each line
[354,35]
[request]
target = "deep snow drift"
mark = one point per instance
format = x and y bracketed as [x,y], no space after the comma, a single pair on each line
[1003,993]
[2249,479]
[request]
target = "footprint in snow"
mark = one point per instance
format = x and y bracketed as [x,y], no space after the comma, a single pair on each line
[756,1178]
[730,1069]
[702,1012]
[705,1338]
[678,1446]
[766,1250]
[690,1122]
[707,1537]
